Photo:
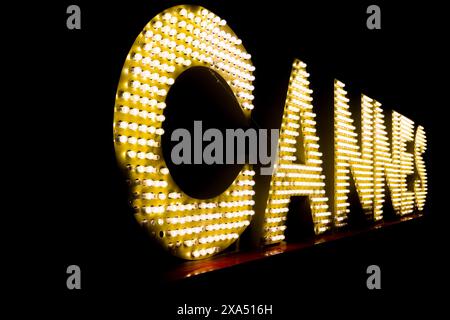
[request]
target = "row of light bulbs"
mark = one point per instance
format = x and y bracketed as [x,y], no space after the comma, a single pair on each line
[348,156]
[290,178]
[374,163]
[169,44]
[421,185]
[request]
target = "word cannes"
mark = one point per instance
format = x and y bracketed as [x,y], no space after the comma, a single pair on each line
[187,36]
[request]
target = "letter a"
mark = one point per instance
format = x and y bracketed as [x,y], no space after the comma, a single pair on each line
[374,280]
[74,20]
[74,280]
[298,171]
[374,20]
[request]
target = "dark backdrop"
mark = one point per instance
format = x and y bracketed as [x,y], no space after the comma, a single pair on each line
[83,217]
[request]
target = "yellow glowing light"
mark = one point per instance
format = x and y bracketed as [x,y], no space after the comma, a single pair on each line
[375,163]
[179,38]
[290,178]
[420,184]
[348,158]
[393,167]
[187,36]
[403,132]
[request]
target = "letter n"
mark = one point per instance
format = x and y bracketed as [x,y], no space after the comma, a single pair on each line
[349,158]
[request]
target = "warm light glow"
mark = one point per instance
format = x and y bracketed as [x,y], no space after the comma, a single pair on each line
[179,38]
[420,184]
[374,166]
[292,177]
[393,167]
[402,133]
[188,36]
[349,158]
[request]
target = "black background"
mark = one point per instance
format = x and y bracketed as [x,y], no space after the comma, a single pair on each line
[80,213]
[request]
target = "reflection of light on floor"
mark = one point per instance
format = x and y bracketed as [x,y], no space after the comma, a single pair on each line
[277,250]
[191,269]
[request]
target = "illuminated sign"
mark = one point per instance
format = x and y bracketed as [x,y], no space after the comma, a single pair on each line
[292,179]
[186,36]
